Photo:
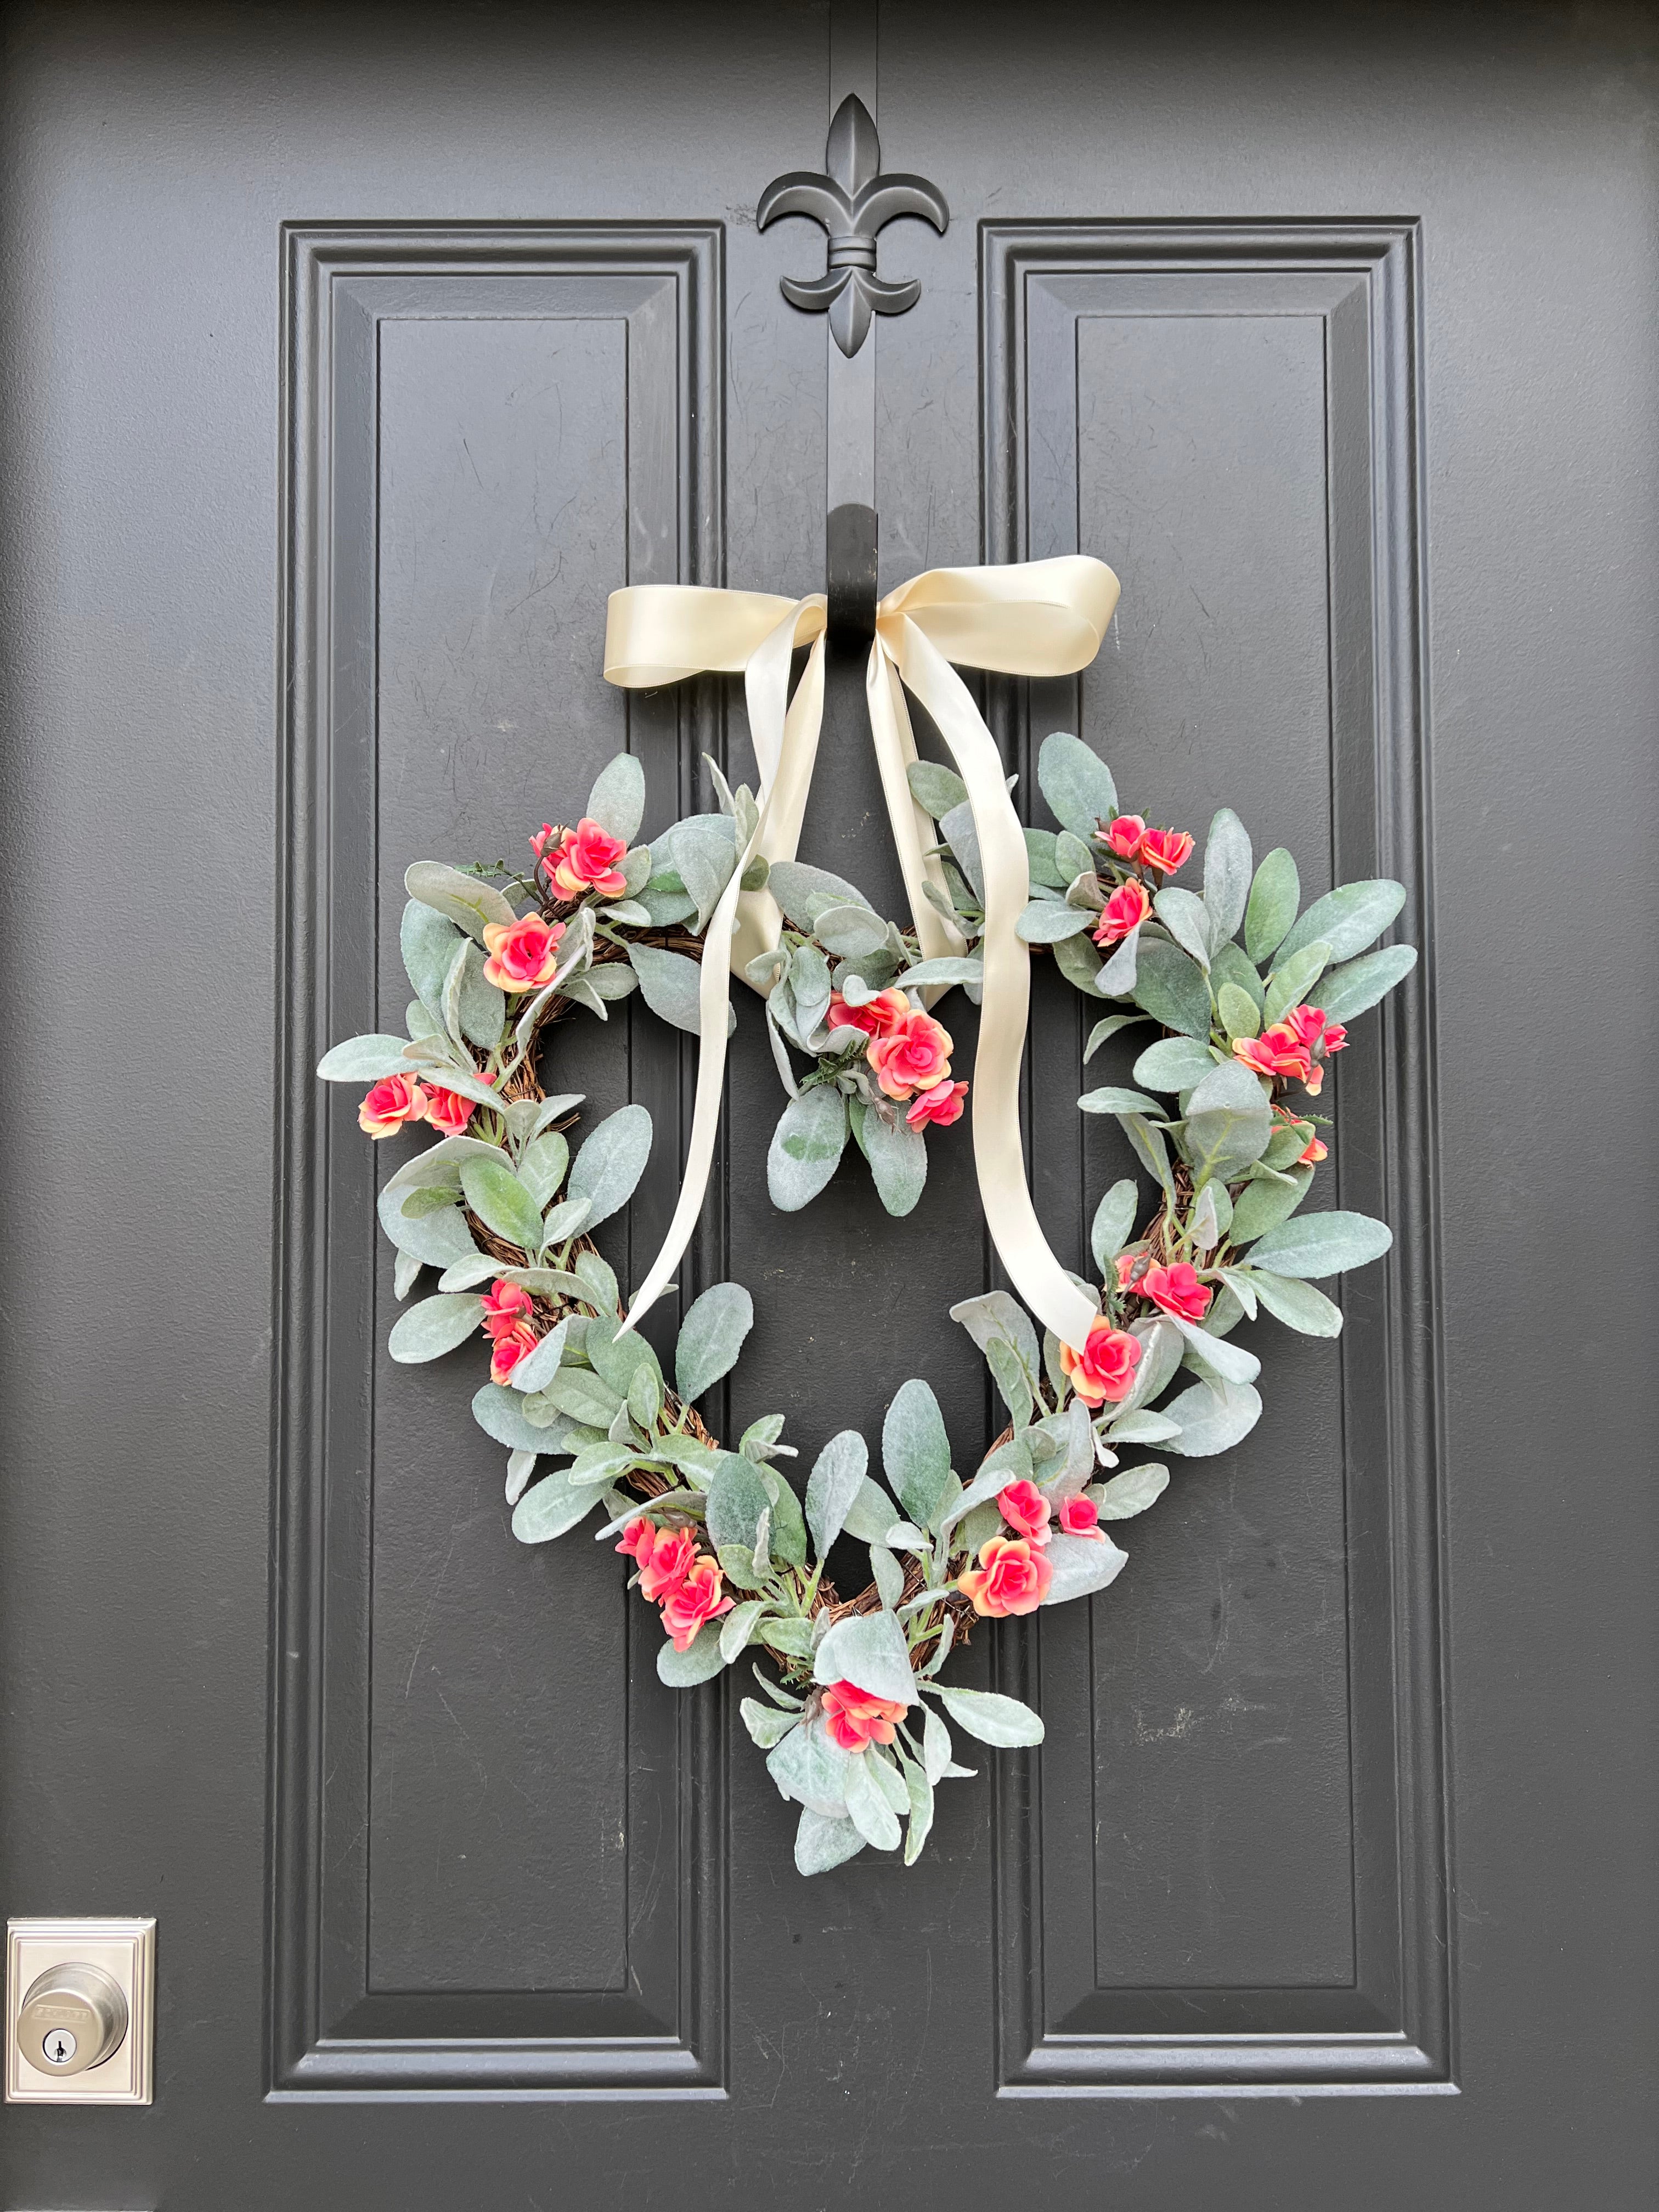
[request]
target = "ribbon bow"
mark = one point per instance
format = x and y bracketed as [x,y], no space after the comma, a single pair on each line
[1032,618]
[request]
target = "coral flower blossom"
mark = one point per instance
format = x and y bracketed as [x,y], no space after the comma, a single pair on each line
[943,1104]
[693,1599]
[1026,1509]
[1080,1516]
[1126,908]
[523,955]
[665,1556]
[1318,1039]
[510,1324]
[913,1055]
[854,1718]
[448,1111]
[1164,849]
[1176,1289]
[1314,1153]
[394,1101]
[877,1017]
[511,1347]
[1011,1576]
[1278,1052]
[585,860]
[1124,833]
[1105,1368]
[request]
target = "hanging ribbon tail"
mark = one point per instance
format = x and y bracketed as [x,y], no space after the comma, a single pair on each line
[657,634]
[1043,619]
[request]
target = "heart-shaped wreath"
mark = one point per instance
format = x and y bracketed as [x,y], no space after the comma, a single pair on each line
[854,1727]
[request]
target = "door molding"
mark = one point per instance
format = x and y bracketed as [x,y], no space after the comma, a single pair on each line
[1061,2029]
[660,2023]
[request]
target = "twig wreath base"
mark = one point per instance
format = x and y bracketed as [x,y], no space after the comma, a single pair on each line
[854,1715]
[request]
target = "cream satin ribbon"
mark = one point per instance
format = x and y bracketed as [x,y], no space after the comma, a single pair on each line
[1036,618]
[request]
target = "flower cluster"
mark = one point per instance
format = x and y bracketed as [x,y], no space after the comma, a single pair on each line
[509,1322]
[675,1574]
[908,1054]
[574,862]
[1293,1047]
[1153,855]
[397,1101]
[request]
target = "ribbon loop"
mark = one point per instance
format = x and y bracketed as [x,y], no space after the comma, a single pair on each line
[1035,619]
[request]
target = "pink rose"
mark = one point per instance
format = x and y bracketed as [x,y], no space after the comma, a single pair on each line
[585,860]
[395,1100]
[1124,834]
[877,1017]
[509,1321]
[1164,849]
[1026,1509]
[523,954]
[1318,1039]
[1105,1368]
[854,1718]
[1177,1290]
[546,835]
[1314,1153]
[1011,1577]
[1126,909]
[693,1599]
[509,1348]
[913,1055]
[1277,1053]
[448,1111]
[943,1104]
[1080,1516]
[667,1556]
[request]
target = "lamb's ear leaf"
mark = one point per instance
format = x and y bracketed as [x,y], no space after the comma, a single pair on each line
[993,1718]
[1274,896]
[607,1169]
[699,1662]
[616,801]
[465,900]
[806,1147]
[711,1336]
[837,1475]
[898,1162]
[1227,863]
[364,1060]
[1356,987]
[1347,919]
[1077,784]
[822,1843]
[1322,1244]
[434,1327]
[916,1452]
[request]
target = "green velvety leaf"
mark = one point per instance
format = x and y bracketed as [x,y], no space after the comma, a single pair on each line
[711,1336]
[437,1240]
[1042,861]
[936,789]
[868,1649]
[803,892]
[767,1724]
[789,1525]
[794,1639]
[1347,919]
[699,1662]
[993,1718]
[466,900]
[1082,1564]
[669,984]
[958,832]
[1176,1063]
[822,1844]
[550,1507]
[849,931]
[1293,979]
[1130,1492]
[898,1161]
[1241,1016]
[737,1498]
[837,1474]
[578,1393]
[806,1147]
[871,1514]
[1115,1100]
[433,1328]
[1297,1304]
[1262,1205]
[995,1316]
[1161,1348]
[704,852]
[1108,1028]
[503,1203]
[607,1169]
[1274,896]
[1013,1381]
[1046,922]
[428,942]
[1229,967]
[811,1767]
[950,968]
[537,1368]
[616,801]
[1187,918]
[736,1628]
[542,1168]
[916,1452]
[1227,863]
[1231,1361]
[1077,784]
[920,1790]
[1115,1222]
[483,1008]
[1214,1418]
[499,1413]
[1079,961]
[1149,1148]
[1356,987]
[867,1806]
[1229,1122]
[611,980]
[617,1358]
[1171,988]
[364,1060]
[1322,1244]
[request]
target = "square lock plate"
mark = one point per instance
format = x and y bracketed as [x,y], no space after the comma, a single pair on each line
[122,1952]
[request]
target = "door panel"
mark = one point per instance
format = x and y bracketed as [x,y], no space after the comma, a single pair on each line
[351,356]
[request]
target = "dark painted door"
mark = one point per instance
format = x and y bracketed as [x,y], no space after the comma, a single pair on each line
[352,356]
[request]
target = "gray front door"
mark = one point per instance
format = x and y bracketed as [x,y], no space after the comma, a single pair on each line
[352,357]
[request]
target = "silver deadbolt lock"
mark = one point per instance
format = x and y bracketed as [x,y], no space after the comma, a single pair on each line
[72,2017]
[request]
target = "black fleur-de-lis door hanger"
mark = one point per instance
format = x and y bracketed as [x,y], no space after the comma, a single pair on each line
[852,202]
